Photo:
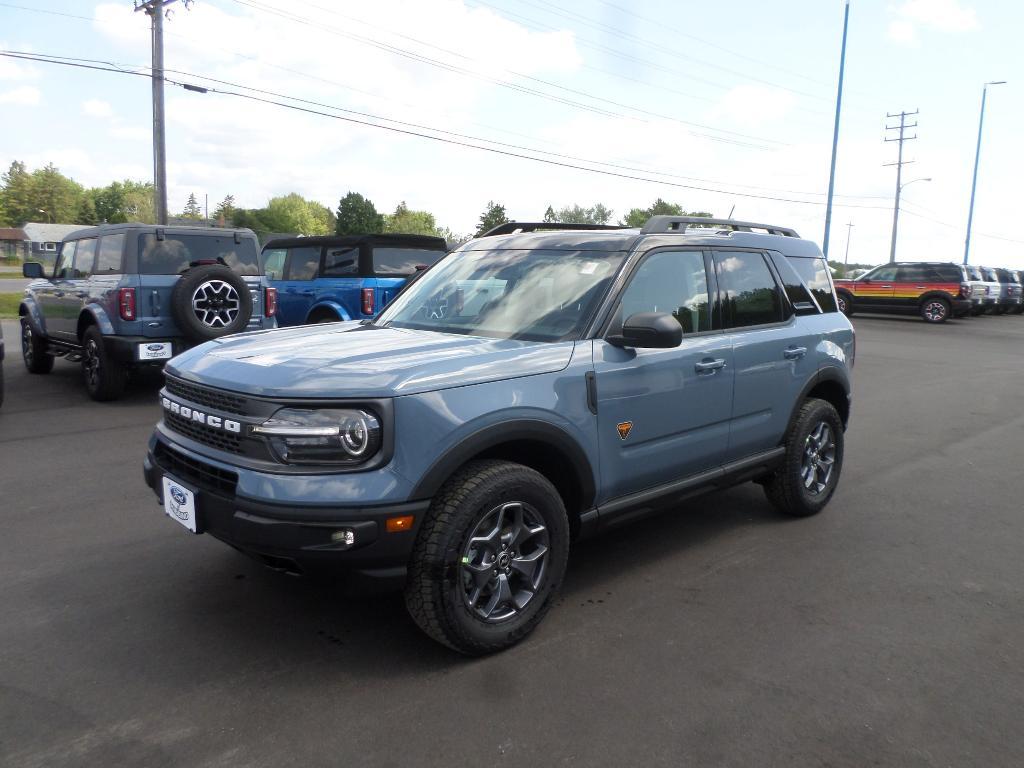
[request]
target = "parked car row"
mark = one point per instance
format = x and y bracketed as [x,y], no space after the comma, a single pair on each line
[934,290]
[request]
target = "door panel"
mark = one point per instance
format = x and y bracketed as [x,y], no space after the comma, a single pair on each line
[875,288]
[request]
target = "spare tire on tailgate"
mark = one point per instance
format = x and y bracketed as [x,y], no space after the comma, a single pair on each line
[210,301]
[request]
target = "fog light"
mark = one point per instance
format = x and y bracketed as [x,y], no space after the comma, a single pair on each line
[344,536]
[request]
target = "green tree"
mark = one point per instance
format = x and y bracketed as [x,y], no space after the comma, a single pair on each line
[55,197]
[492,217]
[123,201]
[549,216]
[87,210]
[357,216]
[293,213]
[241,217]
[409,222]
[577,214]
[637,217]
[225,210]
[192,209]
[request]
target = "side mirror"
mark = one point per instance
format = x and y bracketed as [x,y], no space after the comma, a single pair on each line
[653,330]
[32,270]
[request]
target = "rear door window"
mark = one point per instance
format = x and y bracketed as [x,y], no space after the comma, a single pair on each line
[108,259]
[402,261]
[747,288]
[341,262]
[273,263]
[177,253]
[303,263]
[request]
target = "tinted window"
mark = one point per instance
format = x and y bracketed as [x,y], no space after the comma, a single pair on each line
[176,253]
[303,263]
[1002,275]
[816,276]
[748,290]
[988,275]
[402,261]
[885,274]
[949,273]
[911,273]
[65,261]
[975,273]
[108,260]
[85,257]
[669,281]
[273,263]
[342,262]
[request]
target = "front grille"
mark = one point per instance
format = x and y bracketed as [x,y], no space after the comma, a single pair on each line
[215,438]
[212,398]
[205,476]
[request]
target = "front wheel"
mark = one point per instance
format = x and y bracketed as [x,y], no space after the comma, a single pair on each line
[935,310]
[809,474]
[845,304]
[104,377]
[489,557]
[33,350]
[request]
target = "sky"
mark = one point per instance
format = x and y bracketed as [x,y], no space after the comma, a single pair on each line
[726,107]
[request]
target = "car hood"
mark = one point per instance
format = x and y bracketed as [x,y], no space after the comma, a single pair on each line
[353,360]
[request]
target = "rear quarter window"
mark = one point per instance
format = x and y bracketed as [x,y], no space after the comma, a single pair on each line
[816,276]
[177,253]
[402,261]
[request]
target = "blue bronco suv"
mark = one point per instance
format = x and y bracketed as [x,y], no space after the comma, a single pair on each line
[327,279]
[127,296]
[531,388]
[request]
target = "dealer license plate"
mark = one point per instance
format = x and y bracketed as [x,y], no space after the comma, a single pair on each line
[156,350]
[180,503]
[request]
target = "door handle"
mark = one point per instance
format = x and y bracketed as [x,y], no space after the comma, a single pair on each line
[920,287]
[795,353]
[81,294]
[58,294]
[709,366]
[885,286]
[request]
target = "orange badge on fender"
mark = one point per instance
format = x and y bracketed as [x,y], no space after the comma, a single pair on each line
[624,429]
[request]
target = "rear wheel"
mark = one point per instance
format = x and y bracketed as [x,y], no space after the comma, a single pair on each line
[323,316]
[809,474]
[33,350]
[935,310]
[489,557]
[104,378]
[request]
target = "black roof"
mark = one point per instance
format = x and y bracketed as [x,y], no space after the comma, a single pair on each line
[410,241]
[170,229]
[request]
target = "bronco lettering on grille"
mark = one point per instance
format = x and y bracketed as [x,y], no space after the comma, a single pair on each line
[217,422]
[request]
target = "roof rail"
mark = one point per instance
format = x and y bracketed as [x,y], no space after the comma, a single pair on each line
[678,224]
[510,227]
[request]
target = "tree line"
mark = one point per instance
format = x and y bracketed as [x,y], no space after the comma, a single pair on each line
[46,194]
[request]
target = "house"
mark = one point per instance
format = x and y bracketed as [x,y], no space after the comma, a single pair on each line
[44,240]
[14,244]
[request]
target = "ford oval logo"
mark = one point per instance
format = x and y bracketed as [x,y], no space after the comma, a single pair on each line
[155,347]
[178,495]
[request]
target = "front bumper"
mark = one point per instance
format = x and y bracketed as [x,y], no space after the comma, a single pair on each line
[293,538]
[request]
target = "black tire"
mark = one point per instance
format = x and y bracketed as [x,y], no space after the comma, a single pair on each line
[977,311]
[999,310]
[845,303]
[1,382]
[209,302]
[788,488]
[1017,309]
[323,316]
[935,310]
[104,378]
[33,350]
[442,578]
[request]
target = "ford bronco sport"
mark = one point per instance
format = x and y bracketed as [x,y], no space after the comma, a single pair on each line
[126,296]
[531,388]
[934,290]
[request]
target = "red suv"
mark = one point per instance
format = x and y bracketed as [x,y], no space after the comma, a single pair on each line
[934,290]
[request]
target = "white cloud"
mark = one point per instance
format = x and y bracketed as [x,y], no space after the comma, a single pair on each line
[753,105]
[944,15]
[97,108]
[26,95]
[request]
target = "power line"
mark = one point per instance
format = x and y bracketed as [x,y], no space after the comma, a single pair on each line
[42,58]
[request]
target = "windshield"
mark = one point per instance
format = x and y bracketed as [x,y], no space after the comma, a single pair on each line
[176,253]
[535,295]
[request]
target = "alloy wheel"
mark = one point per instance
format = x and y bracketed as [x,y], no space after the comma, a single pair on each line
[91,365]
[935,311]
[27,350]
[503,563]
[216,303]
[819,459]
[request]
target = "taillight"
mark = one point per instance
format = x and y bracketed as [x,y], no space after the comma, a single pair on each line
[126,303]
[965,290]
[269,302]
[368,301]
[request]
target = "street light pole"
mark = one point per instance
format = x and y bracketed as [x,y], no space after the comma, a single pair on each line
[977,157]
[835,134]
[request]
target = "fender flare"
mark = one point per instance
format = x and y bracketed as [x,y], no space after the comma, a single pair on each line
[936,295]
[505,432]
[98,316]
[827,373]
[35,317]
[331,305]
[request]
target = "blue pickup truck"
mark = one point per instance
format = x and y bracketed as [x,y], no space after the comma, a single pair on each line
[327,279]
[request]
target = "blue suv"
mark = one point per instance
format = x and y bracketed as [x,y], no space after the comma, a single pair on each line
[327,279]
[531,388]
[127,296]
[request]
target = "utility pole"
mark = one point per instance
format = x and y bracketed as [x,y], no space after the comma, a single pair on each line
[155,10]
[902,127]
[849,233]
[835,133]
[977,157]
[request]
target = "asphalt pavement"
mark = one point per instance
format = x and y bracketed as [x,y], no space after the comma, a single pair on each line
[13,284]
[888,630]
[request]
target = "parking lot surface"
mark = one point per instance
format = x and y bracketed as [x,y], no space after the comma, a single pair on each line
[889,630]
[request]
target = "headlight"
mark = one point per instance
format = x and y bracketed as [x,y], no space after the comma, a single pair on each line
[322,436]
